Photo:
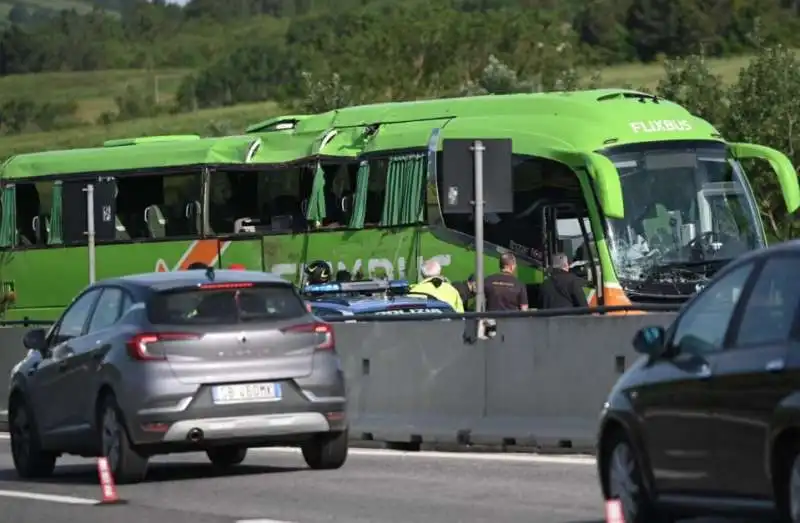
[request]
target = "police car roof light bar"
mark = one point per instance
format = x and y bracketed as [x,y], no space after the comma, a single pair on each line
[357,287]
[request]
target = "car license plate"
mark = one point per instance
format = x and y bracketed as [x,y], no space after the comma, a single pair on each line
[246,393]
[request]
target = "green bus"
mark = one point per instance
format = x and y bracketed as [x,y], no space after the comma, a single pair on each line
[646,198]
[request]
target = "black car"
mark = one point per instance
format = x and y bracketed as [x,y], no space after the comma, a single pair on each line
[708,422]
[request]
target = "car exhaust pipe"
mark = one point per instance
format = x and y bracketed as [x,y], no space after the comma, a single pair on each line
[195,435]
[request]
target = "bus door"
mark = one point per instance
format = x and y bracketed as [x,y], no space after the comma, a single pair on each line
[568,231]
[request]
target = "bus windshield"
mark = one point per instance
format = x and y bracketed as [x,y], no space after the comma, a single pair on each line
[688,207]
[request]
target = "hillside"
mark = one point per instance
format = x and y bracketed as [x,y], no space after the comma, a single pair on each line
[93,91]
[227,120]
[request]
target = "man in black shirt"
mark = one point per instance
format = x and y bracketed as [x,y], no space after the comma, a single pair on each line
[504,292]
[562,289]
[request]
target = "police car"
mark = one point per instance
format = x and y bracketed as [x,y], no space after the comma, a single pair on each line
[336,299]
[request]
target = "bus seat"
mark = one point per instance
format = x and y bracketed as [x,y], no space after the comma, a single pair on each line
[121,232]
[281,223]
[193,216]
[156,223]
[243,225]
[37,231]
[23,240]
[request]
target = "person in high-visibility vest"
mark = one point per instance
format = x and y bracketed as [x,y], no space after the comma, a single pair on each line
[437,286]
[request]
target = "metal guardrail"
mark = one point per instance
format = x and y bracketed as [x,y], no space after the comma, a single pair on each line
[539,382]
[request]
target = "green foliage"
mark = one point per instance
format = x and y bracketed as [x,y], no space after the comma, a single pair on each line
[21,114]
[690,83]
[94,92]
[225,120]
[323,95]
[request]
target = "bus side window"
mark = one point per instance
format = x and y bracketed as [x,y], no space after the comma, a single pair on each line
[245,202]
[396,191]
[34,201]
[340,188]
[537,183]
[155,206]
[376,191]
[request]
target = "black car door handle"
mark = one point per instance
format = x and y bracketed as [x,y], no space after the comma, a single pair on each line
[63,365]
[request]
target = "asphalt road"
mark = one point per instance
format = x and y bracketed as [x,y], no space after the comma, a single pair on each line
[274,486]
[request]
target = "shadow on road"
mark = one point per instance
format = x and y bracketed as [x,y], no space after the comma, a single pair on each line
[157,472]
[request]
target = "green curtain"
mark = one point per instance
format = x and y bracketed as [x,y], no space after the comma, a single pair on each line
[415,180]
[360,199]
[8,228]
[54,237]
[403,203]
[316,202]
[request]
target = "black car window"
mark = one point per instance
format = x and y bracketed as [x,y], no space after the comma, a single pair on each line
[74,319]
[225,303]
[772,305]
[108,309]
[702,327]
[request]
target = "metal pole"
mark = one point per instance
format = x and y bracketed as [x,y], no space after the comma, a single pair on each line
[90,232]
[478,150]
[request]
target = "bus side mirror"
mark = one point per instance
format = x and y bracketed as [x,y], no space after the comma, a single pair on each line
[787,176]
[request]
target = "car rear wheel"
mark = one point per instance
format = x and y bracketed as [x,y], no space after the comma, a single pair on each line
[127,465]
[326,452]
[26,449]
[226,456]
[624,476]
[793,487]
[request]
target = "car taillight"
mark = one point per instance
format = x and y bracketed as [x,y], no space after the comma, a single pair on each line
[138,345]
[328,342]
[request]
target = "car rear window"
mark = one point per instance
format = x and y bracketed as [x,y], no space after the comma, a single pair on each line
[225,304]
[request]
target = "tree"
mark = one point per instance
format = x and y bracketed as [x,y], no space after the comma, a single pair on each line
[326,94]
[19,15]
[691,84]
[765,109]
[496,78]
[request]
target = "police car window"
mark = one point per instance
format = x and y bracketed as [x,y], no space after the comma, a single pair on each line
[323,312]
[701,329]
[774,301]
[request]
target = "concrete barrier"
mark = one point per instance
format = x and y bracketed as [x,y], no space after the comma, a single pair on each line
[540,383]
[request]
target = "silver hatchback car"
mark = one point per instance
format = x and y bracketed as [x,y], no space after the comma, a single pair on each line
[214,361]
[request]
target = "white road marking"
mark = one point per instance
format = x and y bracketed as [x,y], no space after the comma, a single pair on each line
[465,456]
[262,521]
[52,498]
